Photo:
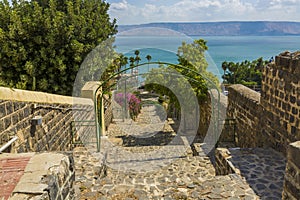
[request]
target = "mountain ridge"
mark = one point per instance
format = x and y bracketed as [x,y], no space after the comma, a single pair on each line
[225,28]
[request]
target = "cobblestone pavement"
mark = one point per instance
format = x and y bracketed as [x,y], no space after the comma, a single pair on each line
[143,166]
[263,169]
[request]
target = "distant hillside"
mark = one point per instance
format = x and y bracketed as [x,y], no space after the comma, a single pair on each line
[226,28]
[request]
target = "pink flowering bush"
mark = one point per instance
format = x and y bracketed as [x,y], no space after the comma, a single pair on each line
[133,103]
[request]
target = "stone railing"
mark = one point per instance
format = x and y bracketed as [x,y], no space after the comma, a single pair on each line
[272,117]
[244,107]
[41,121]
[292,174]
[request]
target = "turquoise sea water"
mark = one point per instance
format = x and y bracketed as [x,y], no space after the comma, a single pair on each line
[221,48]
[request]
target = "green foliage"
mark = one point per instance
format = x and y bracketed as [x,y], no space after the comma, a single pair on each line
[246,73]
[137,57]
[43,42]
[149,57]
[193,55]
[192,58]
[119,60]
[160,75]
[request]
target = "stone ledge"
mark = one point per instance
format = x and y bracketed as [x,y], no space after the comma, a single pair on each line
[245,92]
[40,97]
[47,176]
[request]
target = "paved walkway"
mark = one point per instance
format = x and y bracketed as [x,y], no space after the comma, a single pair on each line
[141,165]
[263,170]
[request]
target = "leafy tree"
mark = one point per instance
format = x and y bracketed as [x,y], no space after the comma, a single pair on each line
[194,55]
[137,57]
[43,42]
[137,60]
[224,66]
[124,60]
[131,60]
[191,56]
[246,73]
[119,62]
[148,57]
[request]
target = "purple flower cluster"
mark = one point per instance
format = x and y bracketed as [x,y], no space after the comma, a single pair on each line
[132,101]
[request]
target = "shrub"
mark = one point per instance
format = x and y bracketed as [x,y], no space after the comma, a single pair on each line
[133,103]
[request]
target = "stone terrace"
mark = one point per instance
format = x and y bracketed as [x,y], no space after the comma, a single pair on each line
[126,176]
[139,165]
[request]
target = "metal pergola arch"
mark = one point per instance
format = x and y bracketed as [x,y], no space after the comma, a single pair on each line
[97,113]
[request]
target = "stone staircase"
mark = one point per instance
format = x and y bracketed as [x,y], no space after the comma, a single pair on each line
[161,166]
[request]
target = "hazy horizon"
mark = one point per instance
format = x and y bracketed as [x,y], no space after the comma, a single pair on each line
[187,22]
[131,12]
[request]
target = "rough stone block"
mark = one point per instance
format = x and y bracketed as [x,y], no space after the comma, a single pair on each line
[2,125]
[293,173]
[89,89]
[284,62]
[293,99]
[293,153]
[294,64]
[292,189]
[27,111]
[7,122]
[15,118]
[9,108]
[2,110]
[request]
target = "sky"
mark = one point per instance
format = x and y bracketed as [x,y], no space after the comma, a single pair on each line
[147,11]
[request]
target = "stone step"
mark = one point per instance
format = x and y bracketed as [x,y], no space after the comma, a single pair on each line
[158,166]
[187,177]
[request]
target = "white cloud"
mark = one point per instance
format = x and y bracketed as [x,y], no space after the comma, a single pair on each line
[129,12]
[198,4]
[119,6]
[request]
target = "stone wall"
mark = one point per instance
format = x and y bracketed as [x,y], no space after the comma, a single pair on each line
[271,118]
[280,98]
[48,176]
[18,108]
[292,176]
[245,108]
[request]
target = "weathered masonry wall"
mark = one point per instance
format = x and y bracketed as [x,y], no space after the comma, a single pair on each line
[280,98]
[292,174]
[271,118]
[18,108]
[245,108]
